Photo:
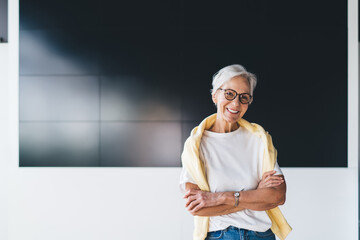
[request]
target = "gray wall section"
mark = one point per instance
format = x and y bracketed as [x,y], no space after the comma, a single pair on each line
[145,144]
[130,98]
[59,144]
[4,20]
[59,98]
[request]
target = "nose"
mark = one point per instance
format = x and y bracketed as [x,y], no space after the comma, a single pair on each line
[236,101]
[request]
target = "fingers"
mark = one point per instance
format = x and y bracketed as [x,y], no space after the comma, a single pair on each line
[273,183]
[197,208]
[191,192]
[189,200]
[271,180]
[195,200]
[269,173]
[275,178]
[192,199]
[193,204]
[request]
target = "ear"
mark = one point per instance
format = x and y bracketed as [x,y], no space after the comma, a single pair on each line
[213,97]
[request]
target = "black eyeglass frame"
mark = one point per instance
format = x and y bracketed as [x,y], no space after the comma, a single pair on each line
[237,94]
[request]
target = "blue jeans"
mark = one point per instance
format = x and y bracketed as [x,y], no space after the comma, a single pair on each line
[232,233]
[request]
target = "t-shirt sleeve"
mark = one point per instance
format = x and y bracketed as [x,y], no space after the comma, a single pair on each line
[277,169]
[184,178]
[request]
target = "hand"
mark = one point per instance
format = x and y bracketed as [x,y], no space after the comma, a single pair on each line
[197,199]
[269,180]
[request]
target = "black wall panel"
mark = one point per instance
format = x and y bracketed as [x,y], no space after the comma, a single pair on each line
[122,83]
[3,21]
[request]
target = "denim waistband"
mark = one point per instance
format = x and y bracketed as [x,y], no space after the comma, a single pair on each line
[233,232]
[236,228]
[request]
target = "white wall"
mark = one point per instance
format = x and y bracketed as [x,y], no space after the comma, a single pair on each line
[3,138]
[145,203]
[113,203]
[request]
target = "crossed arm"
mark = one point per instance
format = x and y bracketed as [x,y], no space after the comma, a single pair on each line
[270,193]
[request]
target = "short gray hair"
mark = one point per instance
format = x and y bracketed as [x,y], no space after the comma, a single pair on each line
[228,72]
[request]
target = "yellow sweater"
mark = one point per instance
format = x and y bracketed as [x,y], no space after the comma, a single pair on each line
[192,163]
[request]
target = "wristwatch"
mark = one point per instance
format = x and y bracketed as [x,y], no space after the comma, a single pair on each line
[236,195]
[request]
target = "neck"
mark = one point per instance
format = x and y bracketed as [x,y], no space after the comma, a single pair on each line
[223,126]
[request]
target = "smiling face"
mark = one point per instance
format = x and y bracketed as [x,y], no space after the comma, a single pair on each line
[229,112]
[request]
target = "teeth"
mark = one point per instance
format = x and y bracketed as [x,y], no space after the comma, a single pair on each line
[232,111]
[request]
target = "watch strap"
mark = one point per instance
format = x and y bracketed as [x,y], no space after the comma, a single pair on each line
[236,195]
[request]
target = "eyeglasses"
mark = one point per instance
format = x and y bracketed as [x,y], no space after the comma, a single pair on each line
[230,95]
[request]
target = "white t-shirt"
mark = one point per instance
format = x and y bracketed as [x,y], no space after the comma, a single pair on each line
[233,162]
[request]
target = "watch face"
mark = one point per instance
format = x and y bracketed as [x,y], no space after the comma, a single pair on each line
[236,194]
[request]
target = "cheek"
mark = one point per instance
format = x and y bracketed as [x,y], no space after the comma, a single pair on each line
[244,107]
[220,103]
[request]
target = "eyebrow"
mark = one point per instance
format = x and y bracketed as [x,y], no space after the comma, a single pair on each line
[236,91]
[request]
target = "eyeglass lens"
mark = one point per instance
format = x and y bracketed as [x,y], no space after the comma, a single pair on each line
[231,95]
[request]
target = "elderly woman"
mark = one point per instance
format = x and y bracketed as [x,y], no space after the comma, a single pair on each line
[230,176]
